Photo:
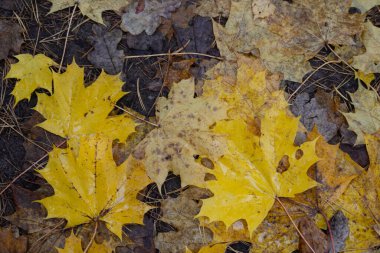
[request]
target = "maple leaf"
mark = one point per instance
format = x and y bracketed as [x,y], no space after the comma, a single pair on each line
[33,72]
[89,186]
[366,118]
[73,245]
[360,203]
[289,35]
[183,132]
[258,169]
[369,61]
[91,8]
[74,109]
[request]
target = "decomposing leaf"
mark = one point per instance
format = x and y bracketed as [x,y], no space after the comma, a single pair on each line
[105,54]
[33,72]
[179,213]
[43,235]
[313,240]
[176,71]
[339,230]
[364,5]
[292,34]
[321,111]
[74,109]
[149,19]
[369,62]
[183,132]
[73,245]
[214,8]
[89,186]
[360,203]
[366,118]
[91,8]
[9,243]
[10,38]
[183,16]
[258,169]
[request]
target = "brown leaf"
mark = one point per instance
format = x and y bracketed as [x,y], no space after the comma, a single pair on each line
[183,16]
[9,243]
[10,38]
[177,70]
[313,235]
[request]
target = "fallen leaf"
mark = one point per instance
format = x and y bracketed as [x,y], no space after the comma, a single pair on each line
[89,186]
[322,111]
[366,78]
[68,116]
[364,5]
[90,8]
[10,38]
[366,118]
[73,245]
[360,203]
[214,8]
[183,132]
[175,71]
[313,240]
[369,61]
[29,216]
[149,19]
[179,213]
[258,169]
[33,72]
[9,243]
[183,16]
[339,230]
[105,54]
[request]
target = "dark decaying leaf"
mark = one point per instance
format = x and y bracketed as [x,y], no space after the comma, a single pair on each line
[10,38]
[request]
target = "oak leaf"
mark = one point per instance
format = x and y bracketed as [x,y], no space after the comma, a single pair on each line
[89,186]
[74,109]
[91,8]
[73,245]
[366,118]
[33,72]
[369,61]
[183,132]
[258,169]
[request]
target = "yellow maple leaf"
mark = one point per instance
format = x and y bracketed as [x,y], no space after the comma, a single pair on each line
[258,169]
[73,245]
[90,187]
[33,72]
[360,203]
[254,90]
[74,109]
[91,8]
[183,132]
[366,118]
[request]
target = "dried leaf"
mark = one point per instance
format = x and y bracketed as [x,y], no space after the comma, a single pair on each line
[9,243]
[369,62]
[105,54]
[364,5]
[91,8]
[214,8]
[183,132]
[89,186]
[315,238]
[10,38]
[366,118]
[149,19]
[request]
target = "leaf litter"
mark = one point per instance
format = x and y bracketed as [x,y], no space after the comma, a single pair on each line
[212,110]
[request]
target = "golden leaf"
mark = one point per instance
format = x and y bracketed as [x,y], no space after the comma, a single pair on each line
[73,109]
[89,186]
[366,118]
[90,8]
[258,169]
[33,72]
[183,132]
[73,245]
